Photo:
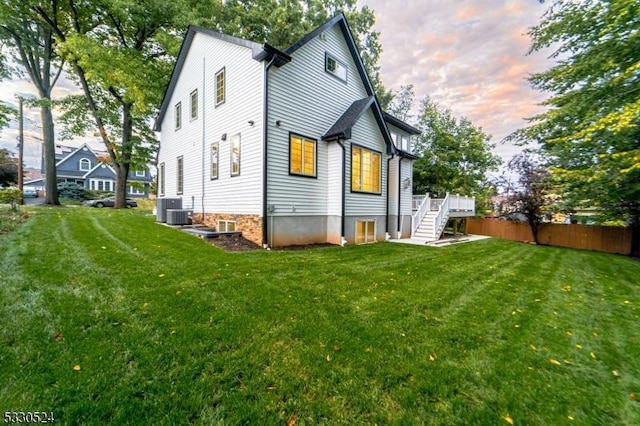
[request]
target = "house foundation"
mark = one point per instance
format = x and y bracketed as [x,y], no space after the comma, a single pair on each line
[249,225]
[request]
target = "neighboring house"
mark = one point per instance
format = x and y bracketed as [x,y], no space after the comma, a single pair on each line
[289,147]
[83,166]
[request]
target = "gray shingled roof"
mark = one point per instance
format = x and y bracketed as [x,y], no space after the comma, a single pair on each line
[342,128]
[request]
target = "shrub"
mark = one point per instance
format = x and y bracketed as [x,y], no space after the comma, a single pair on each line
[10,196]
[72,191]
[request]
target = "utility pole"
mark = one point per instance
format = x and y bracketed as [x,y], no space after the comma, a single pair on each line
[21,152]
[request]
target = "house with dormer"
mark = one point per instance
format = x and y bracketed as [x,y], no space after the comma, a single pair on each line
[89,168]
[287,146]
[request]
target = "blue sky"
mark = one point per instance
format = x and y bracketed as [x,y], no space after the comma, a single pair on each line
[468,55]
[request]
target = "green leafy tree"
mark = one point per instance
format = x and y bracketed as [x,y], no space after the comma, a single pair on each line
[455,155]
[6,114]
[119,54]
[8,168]
[590,130]
[30,43]
[402,103]
[531,194]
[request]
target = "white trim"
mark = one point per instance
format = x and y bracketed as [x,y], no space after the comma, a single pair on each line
[72,153]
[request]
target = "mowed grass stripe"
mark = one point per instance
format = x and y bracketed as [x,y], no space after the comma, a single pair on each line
[178,331]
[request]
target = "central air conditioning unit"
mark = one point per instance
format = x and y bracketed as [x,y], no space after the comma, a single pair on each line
[179,217]
[166,203]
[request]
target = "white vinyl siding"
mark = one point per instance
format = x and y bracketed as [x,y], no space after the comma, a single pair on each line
[242,114]
[329,97]
[365,134]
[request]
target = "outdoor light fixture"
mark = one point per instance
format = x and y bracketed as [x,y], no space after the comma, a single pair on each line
[223,137]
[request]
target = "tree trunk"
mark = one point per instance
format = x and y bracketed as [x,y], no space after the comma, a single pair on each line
[49,147]
[635,233]
[535,226]
[123,164]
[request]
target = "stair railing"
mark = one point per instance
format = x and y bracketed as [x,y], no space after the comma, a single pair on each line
[418,215]
[442,217]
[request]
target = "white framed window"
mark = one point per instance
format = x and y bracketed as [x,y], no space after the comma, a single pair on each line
[134,190]
[406,144]
[335,67]
[221,87]
[161,178]
[84,164]
[365,231]
[226,226]
[180,175]
[194,104]
[140,173]
[215,160]
[235,155]
[177,112]
[102,185]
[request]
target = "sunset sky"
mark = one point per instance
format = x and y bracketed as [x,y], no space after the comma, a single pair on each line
[468,55]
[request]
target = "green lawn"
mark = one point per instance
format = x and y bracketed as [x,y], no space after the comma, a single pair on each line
[107,317]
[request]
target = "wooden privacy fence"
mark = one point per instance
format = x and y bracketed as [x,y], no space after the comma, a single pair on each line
[608,239]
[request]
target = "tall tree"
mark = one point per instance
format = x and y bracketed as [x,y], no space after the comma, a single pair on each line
[402,103]
[31,44]
[531,193]
[118,58]
[8,168]
[455,155]
[590,129]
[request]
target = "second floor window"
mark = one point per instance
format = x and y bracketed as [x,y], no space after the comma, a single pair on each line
[140,173]
[335,67]
[177,112]
[194,104]
[84,164]
[221,87]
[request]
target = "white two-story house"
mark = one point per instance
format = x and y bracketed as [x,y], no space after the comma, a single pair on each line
[288,147]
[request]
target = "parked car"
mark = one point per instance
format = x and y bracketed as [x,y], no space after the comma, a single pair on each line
[109,202]
[29,193]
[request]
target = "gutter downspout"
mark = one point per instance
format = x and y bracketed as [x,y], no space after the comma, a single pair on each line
[386,219]
[344,183]
[399,194]
[265,240]
[203,131]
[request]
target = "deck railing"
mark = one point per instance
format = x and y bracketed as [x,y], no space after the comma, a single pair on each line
[421,205]
[445,208]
